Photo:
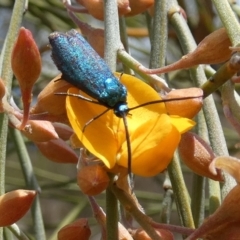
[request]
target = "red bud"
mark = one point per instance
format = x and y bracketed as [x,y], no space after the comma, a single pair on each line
[198,155]
[26,65]
[139,6]
[187,108]
[92,179]
[212,49]
[41,131]
[79,229]
[95,7]
[57,151]
[14,205]
[63,131]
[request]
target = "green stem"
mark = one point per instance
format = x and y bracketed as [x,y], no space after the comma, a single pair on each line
[159,35]
[198,199]
[112,44]
[214,195]
[124,39]
[223,74]
[112,36]
[148,22]
[25,160]
[111,215]
[180,192]
[17,232]
[167,202]
[229,20]
[7,235]
[154,80]
[31,182]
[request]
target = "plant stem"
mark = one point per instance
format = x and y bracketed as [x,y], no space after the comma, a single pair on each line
[111,215]
[17,232]
[154,80]
[229,20]
[31,183]
[112,37]
[112,44]
[124,39]
[198,199]
[159,35]
[180,192]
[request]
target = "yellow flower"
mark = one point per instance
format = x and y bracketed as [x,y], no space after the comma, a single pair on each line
[154,135]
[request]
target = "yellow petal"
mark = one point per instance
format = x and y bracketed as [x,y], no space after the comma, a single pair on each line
[153,145]
[182,124]
[138,93]
[98,138]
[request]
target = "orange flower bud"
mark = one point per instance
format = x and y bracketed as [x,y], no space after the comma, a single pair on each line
[92,179]
[41,131]
[187,108]
[63,131]
[95,7]
[26,65]
[213,49]
[47,101]
[197,155]
[26,59]
[139,6]
[14,205]
[79,229]
[140,234]
[57,151]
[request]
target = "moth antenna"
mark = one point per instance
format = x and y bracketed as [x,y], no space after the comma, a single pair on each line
[94,118]
[129,150]
[162,101]
[80,97]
